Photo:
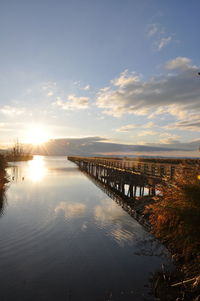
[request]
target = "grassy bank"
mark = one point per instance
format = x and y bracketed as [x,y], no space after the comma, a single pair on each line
[174,216]
[16,153]
[20,157]
[3,179]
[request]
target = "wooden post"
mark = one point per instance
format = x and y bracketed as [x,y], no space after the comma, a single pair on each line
[135,191]
[131,190]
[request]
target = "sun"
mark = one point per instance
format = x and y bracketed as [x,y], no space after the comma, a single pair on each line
[37,135]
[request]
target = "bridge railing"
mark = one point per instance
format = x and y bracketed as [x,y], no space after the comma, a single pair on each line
[146,168]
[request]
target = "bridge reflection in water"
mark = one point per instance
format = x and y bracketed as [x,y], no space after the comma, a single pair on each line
[126,181]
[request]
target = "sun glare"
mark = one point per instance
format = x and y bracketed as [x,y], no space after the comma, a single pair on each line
[37,169]
[37,135]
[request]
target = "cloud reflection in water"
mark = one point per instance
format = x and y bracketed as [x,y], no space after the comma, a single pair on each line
[71,210]
[109,216]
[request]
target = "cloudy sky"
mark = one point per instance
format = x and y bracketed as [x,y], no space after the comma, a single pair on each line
[122,70]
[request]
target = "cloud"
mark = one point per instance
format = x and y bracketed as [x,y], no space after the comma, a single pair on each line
[192,124]
[129,127]
[147,133]
[163,42]
[79,86]
[169,141]
[158,33]
[11,126]
[153,29]
[95,146]
[174,94]
[51,86]
[149,125]
[50,93]
[125,79]
[86,88]
[179,63]
[11,111]
[190,148]
[168,138]
[73,102]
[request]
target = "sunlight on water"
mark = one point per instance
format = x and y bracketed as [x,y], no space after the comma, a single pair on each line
[37,169]
[59,231]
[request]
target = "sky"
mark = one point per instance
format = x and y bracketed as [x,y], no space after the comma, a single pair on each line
[125,71]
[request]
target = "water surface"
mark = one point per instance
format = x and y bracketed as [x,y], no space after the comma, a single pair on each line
[62,238]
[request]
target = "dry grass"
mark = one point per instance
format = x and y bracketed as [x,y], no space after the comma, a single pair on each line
[175,217]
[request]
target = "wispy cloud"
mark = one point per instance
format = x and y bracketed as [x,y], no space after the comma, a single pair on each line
[149,125]
[11,111]
[147,133]
[81,86]
[168,138]
[164,42]
[130,127]
[127,128]
[73,102]
[86,88]
[153,29]
[160,38]
[191,124]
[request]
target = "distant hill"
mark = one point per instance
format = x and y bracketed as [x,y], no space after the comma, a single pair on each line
[97,146]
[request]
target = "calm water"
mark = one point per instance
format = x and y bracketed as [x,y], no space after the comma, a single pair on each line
[62,238]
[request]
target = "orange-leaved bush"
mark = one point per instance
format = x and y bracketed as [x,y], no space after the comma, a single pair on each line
[175,215]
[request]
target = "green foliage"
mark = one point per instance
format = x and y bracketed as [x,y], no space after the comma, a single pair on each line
[175,216]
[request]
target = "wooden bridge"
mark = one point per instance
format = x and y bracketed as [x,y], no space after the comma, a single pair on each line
[130,178]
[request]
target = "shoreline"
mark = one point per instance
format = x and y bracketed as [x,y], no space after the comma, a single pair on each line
[167,285]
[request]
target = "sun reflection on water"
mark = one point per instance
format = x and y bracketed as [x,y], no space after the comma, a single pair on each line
[37,169]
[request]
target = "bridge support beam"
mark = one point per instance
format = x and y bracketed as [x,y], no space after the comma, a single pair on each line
[127,183]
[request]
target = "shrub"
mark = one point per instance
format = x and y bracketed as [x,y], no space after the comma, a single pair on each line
[175,216]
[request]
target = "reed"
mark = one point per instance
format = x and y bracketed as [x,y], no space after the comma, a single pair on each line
[3,165]
[175,215]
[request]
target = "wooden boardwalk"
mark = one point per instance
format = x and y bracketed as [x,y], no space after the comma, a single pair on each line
[129,178]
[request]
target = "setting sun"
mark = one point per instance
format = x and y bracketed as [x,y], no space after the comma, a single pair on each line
[37,135]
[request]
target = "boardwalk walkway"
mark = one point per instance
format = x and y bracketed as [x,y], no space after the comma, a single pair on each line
[129,178]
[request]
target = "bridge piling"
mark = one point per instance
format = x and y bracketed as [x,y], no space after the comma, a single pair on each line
[127,178]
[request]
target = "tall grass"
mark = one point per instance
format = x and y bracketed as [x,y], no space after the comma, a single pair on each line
[3,165]
[175,216]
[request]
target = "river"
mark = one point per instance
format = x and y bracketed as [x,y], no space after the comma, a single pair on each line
[62,238]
